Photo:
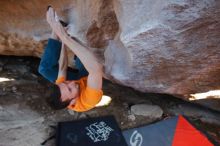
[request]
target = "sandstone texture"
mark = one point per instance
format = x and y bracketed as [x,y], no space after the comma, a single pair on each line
[159,46]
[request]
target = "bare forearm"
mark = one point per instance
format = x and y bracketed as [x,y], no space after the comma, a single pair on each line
[86,56]
[63,62]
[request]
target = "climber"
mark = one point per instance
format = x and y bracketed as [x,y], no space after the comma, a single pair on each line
[78,90]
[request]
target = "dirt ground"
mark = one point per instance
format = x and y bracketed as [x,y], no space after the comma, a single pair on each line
[25,118]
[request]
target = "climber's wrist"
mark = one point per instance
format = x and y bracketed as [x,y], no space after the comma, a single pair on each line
[64,37]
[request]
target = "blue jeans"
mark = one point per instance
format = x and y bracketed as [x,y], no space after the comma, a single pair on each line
[49,64]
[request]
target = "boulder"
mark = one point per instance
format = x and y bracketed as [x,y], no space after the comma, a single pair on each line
[158,46]
[24,29]
[170,47]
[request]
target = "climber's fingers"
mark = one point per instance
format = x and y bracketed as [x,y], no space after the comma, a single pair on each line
[50,16]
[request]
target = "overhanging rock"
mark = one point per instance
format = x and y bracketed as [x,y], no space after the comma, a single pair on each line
[152,46]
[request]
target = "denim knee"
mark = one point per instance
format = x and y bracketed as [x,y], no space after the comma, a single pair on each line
[41,70]
[48,73]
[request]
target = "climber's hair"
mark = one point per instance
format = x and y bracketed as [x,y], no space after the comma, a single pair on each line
[54,100]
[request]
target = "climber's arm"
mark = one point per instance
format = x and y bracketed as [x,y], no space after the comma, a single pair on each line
[63,62]
[87,58]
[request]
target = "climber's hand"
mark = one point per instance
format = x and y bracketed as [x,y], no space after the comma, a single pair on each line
[54,23]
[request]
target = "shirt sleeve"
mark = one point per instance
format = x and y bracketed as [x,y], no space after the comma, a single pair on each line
[88,99]
[60,80]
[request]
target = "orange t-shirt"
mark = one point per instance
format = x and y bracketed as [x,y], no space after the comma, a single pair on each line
[88,97]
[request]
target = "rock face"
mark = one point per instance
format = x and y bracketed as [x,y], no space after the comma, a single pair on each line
[24,28]
[157,46]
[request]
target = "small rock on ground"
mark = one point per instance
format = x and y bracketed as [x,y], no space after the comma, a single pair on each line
[71,112]
[131,117]
[150,111]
